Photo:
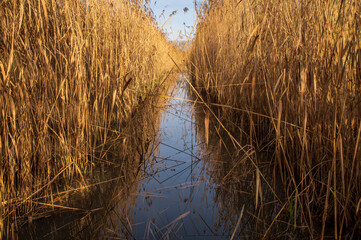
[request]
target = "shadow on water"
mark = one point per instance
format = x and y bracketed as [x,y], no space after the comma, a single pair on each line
[180,181]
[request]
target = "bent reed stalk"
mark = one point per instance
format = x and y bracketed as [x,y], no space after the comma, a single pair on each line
[72,72]
[289,76]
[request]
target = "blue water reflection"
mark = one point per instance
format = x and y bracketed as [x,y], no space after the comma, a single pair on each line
[175,199]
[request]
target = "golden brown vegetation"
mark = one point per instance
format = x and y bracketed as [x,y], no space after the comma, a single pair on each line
[72,73]
[103,208]
[288,75]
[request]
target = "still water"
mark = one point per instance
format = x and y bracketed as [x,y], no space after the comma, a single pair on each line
[191,185]
[176,197]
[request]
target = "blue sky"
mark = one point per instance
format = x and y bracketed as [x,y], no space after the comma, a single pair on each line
[180,23]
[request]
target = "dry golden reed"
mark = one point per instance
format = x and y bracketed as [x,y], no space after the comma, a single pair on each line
[288,73]
[71,73]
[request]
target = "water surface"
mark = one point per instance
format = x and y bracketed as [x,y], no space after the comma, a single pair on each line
[175,198]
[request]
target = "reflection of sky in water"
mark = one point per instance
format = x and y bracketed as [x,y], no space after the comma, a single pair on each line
[175,188]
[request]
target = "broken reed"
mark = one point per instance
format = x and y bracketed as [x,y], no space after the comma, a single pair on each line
[71,73]
[288,74]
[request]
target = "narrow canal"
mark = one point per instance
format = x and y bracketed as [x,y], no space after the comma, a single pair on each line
[175,198]
[191,185]
[197,185]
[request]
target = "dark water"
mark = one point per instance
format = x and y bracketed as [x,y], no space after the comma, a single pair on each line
[184,188]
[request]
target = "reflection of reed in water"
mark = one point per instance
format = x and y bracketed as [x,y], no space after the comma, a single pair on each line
[100,208]
[241,192]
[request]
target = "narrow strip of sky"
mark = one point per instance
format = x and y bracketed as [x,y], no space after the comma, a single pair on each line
[176,17]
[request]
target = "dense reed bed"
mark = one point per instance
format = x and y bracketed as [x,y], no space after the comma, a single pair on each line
[286,76]
[72,74]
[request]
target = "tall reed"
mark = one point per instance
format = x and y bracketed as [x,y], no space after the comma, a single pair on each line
[288,75]
[72,72]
